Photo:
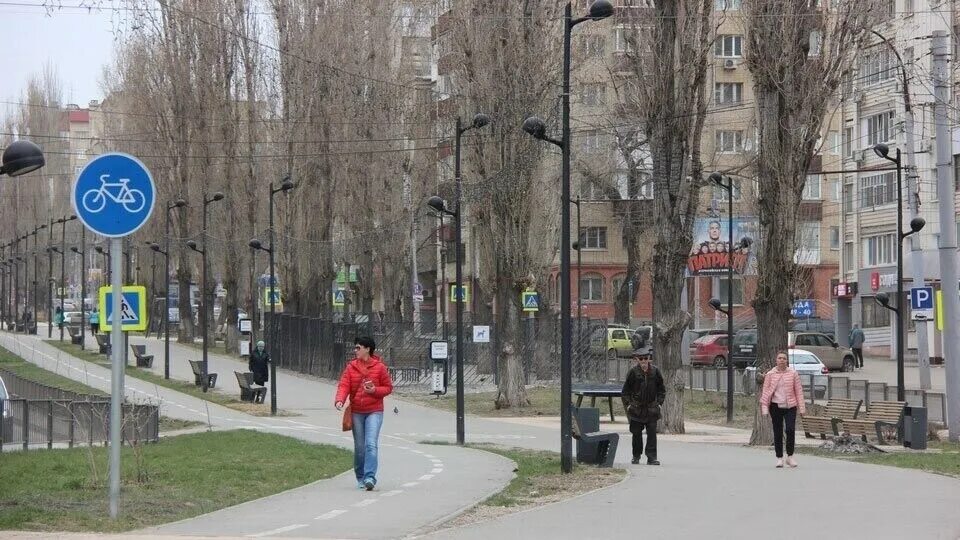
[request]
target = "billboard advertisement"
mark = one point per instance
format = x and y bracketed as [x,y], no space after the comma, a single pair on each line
[711,251]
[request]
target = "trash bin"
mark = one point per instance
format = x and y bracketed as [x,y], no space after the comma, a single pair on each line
[589,419]
[915,427]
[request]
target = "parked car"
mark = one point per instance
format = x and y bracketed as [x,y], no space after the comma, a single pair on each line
[822,326]
[835,357]
[698,333]
[72,318]
[743,350]
[807,364]
[612,340]
[7,417]
[709,350]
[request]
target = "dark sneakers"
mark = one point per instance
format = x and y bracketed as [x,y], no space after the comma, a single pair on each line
[652,462]
[635,460]
[368,484]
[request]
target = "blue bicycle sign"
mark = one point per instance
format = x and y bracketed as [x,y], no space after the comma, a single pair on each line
[114,194]
[95,200]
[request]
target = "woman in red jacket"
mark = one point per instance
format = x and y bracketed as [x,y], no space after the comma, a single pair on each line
[366,382]
[782,399]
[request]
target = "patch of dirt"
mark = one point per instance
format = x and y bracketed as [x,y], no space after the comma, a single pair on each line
[544,490]
[258,409]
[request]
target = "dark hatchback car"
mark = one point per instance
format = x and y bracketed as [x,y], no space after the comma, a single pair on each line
[743,351]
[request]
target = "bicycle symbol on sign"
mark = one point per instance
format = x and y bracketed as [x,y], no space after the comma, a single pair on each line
[95,200]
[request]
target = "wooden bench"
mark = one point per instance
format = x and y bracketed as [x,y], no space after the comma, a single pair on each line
[594,391]
[103,341]
[836,411]
[880,415]
[197,367]
[143,360]
[76,334]
[607,442]
[249,392]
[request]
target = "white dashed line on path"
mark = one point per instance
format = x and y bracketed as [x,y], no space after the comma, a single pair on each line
[425,477]
[366,502]
[411,484]
[288,528]
[331,514]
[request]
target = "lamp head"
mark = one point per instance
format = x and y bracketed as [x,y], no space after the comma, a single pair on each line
[601,9]
[218,196]
[41,226]
[480,120]
[179,203]
[716,178]
[21,157]
[883,299]
[192,244]
[881,150]
[575,245]
[746,241]
[287,184]
[716,304]
[155,247]
[255,244]
[75,250]
[437,204]
[917,223]
[535,127]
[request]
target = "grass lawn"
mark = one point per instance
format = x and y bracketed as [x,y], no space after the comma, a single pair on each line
[58,490]
[23,369]
[212,395]
[175,424]
[946,461]
[702,407]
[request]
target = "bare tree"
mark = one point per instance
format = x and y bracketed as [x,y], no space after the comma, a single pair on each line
[797,52]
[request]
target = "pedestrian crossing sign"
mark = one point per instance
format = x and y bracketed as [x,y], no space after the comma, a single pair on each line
[277,297]
[531,301]
[339,298]
[133,308]
[464,293]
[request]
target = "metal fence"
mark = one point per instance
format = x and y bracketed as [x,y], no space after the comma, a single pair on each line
[28,389]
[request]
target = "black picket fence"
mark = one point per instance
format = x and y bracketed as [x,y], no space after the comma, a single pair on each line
[322,348]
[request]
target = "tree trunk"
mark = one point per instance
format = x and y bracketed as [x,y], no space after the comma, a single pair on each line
[511,390]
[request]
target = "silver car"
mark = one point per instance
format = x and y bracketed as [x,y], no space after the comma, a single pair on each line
[835,357]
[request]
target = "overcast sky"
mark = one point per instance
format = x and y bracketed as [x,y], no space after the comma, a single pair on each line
[78,43]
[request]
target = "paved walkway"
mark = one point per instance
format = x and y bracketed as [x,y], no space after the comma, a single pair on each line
[699,490]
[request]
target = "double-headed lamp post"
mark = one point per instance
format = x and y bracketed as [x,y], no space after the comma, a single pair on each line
[718,179]
[479,120]
[285,186]
[203,286]
[166,309]
[601,9]
[916,225]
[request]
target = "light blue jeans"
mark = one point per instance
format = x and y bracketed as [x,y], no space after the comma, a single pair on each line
[366,437]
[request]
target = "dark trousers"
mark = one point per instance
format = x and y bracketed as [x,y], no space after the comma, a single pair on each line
[637,429]
[779,417]
[858,356]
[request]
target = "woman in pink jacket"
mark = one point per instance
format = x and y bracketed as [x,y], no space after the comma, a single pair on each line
[781,399]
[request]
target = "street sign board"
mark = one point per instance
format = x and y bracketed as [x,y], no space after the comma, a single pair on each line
[531,301]
[245,326]
[114,195]
[439,350]
[803,309]
[465,293]
[133,308]
[481,334]
[339,298]
[277,297]
[921,303]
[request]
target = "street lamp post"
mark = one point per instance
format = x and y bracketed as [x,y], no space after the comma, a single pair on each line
[203,285]
[179,203]
[285,186]
[63,271]
[36,249]
[916,224]
[83,285]
[106,258]
[62,253]
[578,247]
[600,9]
[727,186]
[479,120]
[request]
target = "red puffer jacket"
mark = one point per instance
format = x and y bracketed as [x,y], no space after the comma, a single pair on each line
[351,384]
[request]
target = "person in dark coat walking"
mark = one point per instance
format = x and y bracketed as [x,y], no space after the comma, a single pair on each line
[643,394]
[259,360]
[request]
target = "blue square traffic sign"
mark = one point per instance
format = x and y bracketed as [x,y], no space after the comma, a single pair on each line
[921,298]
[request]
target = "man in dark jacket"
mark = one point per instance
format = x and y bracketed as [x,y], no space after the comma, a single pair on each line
[643,393]
[259,358]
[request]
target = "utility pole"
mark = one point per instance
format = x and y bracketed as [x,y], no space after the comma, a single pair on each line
[948,232]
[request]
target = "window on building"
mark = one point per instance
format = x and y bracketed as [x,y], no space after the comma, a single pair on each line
[848,257]
[721,288]
[873,314]
[720,193]
[593,45]
[593,94]
[642,191]
[876,66]
[880,250]
[727,93]
[728,46]
[591,288]
[729,142]
[624,39]
[878,189]
[834,189]
[591,141]
[847,198]
[847,142]
[816,43]
[726,5]
[592,191]
[833,143]
[811,188]
[879,128]
[615,284]
[835,238]
[808,243]
[593,237]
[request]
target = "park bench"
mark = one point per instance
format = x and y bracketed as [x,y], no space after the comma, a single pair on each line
[143,360]
[594,391]
[607,441]
[103,342]
[197,367]
[836,411]
[880,415]
[249,392]
[76,335]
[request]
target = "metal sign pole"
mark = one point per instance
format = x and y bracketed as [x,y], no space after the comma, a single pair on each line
[116,386]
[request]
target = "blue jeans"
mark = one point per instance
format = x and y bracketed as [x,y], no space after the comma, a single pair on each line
[366,436]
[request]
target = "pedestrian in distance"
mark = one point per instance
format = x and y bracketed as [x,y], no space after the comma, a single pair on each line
[856,344]
[94,319]
[58,317]
[365,382]
[643,394]
[782,399]
[259,363]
